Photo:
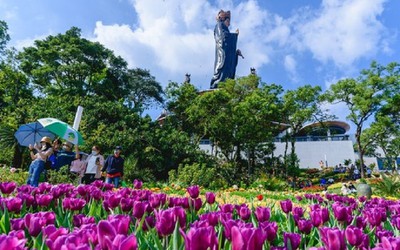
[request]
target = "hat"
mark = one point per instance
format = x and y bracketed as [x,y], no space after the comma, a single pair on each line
[46,139]
[118,148]
[67,143]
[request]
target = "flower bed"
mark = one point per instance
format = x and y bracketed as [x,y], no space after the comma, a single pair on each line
[98,217]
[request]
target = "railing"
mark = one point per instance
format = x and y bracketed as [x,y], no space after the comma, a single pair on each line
[317,138]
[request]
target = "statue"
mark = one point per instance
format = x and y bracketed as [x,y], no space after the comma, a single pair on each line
[253,71]
[226,54]
[187,78]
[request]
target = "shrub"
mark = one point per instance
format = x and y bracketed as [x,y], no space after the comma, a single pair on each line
[389,186]
[133,171]
[197,174]
[272,184]
[61,176]
[13,174]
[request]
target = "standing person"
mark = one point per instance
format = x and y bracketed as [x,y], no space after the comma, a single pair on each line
[94,163]
[38,160]
[114,166]
[77,168]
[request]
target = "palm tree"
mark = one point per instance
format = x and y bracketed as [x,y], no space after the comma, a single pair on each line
[390,184]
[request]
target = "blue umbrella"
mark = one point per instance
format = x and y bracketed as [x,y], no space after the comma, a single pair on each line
[32,133]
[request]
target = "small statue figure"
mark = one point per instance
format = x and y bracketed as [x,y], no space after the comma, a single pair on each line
[253,71]
[226,55]
[187,78]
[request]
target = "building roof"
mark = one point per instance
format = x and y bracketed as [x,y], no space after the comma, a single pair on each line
[320,128]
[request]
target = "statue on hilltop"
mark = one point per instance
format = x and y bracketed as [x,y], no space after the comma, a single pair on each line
[226,54]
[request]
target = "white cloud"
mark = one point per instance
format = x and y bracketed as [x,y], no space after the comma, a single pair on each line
[290,64]
[343,31]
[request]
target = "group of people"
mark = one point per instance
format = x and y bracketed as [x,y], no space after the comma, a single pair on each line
[51,156]
[348,189]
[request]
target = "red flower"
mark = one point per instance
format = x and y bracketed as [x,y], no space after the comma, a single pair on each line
[260,197]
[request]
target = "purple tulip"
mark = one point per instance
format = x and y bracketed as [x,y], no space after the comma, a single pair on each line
[126,204]
[200,238]
[12,242]
[196,203]
[52,233]
[228,224]
[112,200]
[316,218]
[17,224]
[137,184]
[342,213]
[106,233]
[299,211]
[44,200]
[304,226]
[194,191]
[157,200]
[395,220]
[166,220]
[43,187]
[184,202]
[14,204]
[244,213]
[291,240]
[227,208]
[356,237]
[26,189]
[73,204]
[35,222]
[262,214]
[7,187]
[139,208]
[375,216]
[286,206]
[120,223]
[270,228]
[247,238]
[80,219]
[28,199]
[380,233]
[333,238]
[125,242]
[361,222]
[324,214]
[388,243]
[210,197]
[212,218]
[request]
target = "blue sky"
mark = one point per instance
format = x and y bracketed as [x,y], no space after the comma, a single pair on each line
[289,42]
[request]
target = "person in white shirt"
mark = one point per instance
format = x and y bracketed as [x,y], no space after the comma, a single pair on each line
[94,163]
[345,190]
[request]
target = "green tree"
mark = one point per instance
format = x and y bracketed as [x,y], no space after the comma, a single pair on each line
[363,96]
[4,37]
[299,106]
[15,105]
[142,90]
[66,65]
[237,118]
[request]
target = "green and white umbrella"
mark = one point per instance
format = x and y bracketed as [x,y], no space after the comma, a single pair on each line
[62,129]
